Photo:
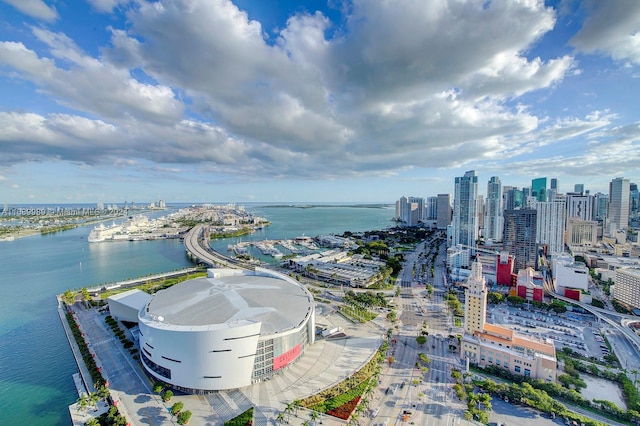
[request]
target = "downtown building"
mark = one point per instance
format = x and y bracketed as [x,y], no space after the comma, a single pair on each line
[581,232]
[550,224]
[443,211]
[618,212]
[410,211]
[484,344]
[627,287]
[465,215]
[519,237]
[432,209]
[511,198]
[539,189]
[493,218]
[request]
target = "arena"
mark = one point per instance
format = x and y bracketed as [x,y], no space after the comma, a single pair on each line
[226,331]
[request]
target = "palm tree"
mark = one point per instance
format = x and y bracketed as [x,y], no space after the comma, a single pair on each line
[289,409]
[68,297]
[353,420]
[94,398]
[314,416]
[296,406]
[83,402]
[103,392]
[85,295]
[93,422]
[280,417]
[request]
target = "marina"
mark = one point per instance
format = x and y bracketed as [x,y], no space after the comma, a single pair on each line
[276,249]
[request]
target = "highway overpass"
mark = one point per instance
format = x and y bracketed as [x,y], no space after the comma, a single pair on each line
[198,249]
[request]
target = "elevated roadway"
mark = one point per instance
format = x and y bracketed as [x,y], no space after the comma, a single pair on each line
[198,248]
[621,325]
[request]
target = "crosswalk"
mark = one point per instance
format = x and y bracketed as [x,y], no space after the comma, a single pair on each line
[103,341]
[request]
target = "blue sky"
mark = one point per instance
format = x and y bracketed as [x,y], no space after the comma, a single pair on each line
[361,100]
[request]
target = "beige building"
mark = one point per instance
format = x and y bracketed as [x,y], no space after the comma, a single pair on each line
[627,287]
[487,344]
[581,232]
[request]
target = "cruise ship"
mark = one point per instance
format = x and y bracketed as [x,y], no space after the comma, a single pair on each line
[103,233]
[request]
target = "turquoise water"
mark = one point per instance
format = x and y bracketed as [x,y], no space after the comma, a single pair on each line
[35,360]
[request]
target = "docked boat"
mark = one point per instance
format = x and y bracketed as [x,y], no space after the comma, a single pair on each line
[103,233]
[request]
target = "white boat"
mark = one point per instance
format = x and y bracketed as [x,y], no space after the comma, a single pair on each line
[103,233]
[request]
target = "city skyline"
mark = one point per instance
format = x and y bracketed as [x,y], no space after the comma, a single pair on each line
[312,102]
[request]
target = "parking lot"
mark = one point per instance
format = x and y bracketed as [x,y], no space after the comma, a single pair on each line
[580,332]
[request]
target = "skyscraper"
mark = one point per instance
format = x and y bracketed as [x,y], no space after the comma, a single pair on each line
[443,211]
[493,221]
[550,224]
[410,210]
[618,214]
[465,226]
[580,206]
[600,206]
[579,188]
[512,197]
[432,208]
[539,188]
[520,236]
[634,201]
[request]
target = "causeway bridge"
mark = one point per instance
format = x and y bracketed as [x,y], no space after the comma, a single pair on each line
[198,249]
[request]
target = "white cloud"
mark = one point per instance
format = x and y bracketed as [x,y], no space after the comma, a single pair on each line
[612,28]
[107,6]
[197,82]
[117,96]
[312,94]
[35,8]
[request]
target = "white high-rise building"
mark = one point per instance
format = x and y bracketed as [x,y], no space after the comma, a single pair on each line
[432,208]
[618,213]
[493,219]
[550,224]
[580,206]
[402,209]
[465,218]
[410,210]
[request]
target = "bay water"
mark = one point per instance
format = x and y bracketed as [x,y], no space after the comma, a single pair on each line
[36,363]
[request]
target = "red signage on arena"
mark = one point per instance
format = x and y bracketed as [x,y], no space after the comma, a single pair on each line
[284,359]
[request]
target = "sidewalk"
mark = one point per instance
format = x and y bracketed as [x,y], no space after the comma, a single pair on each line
[82,379]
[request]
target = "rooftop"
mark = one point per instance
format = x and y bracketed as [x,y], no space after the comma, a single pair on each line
[228,296]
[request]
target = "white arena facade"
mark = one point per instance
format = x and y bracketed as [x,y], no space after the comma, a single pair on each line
[226,331]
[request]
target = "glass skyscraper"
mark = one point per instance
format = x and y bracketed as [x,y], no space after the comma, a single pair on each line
[465,218]
[539,189]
